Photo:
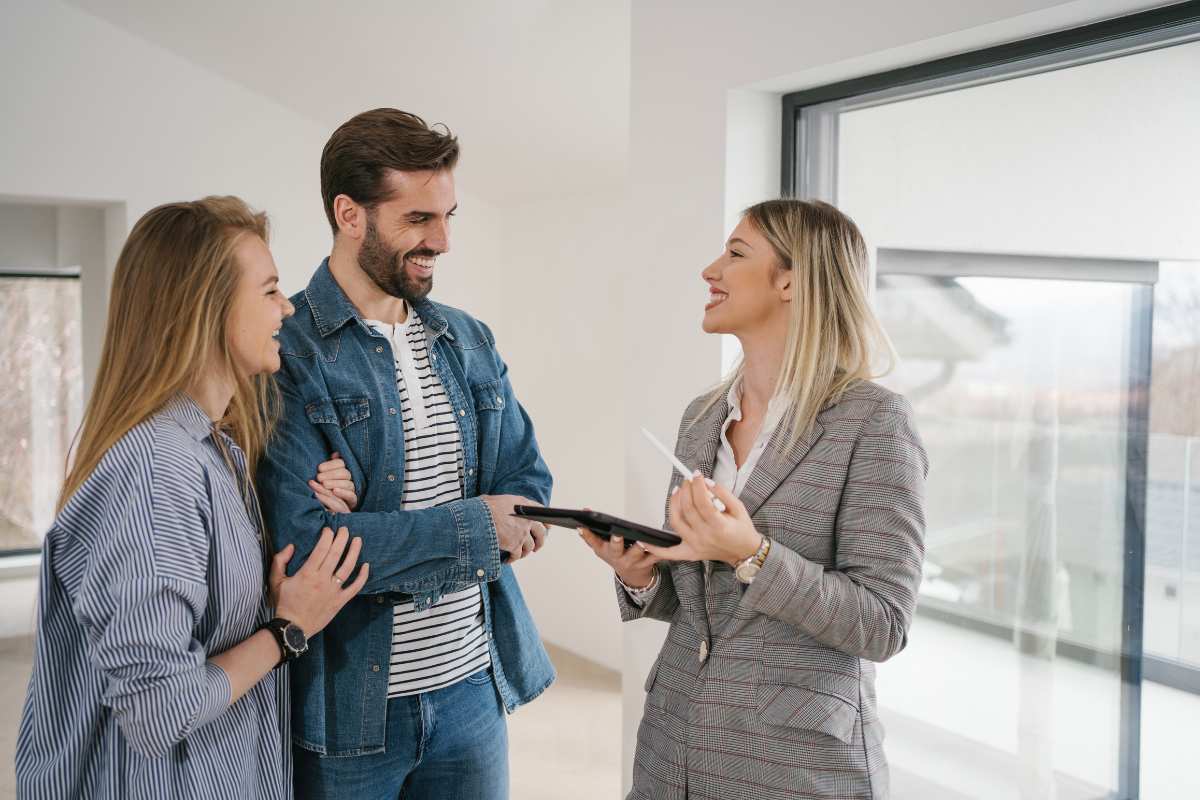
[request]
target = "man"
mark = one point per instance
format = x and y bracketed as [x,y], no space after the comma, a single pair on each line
[404,693]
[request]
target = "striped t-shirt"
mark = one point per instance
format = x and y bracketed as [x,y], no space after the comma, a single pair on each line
[444,643]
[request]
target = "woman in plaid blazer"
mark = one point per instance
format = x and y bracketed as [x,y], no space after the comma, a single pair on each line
[780,605]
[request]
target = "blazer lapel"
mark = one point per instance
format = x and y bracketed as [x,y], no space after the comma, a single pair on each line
[778,460]
[697,445]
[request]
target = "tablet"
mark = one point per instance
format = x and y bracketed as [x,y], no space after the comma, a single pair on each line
[604,525]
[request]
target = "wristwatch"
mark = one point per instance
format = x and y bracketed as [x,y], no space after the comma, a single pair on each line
[746,569]
[291,639]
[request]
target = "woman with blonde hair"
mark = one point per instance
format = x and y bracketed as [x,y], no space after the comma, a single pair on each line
[779,605]
[154,671]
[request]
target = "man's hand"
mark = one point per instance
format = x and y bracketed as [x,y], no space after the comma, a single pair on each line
[517,537]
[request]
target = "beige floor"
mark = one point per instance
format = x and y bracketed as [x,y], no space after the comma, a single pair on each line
[553,747]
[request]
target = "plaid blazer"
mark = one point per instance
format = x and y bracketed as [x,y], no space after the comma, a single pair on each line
[767,692]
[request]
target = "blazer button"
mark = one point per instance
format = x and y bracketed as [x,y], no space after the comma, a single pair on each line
[703,651]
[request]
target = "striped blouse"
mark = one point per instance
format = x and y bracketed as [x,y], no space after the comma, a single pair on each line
[446,642]
[153,566]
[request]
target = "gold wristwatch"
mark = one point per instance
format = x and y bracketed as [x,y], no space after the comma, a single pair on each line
[748,568]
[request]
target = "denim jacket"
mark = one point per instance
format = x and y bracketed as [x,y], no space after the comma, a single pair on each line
[338,384]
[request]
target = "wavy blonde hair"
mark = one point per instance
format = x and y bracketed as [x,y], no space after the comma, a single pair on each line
[172,293]
[834,338]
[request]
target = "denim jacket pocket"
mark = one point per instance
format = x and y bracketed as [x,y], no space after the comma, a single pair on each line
[345,413]
[488,395]
[489,412]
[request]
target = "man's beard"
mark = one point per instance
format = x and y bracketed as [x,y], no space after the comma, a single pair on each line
[386,267]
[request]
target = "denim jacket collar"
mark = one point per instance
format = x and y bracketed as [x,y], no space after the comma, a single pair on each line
[331,309]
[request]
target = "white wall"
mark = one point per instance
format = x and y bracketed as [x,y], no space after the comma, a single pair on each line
[27,236]
[684,66]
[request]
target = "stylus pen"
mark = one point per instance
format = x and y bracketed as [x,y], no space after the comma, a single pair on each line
[680,467]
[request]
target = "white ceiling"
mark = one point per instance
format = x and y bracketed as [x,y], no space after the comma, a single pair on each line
[537,90]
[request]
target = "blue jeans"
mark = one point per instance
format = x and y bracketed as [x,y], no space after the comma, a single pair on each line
[448,744]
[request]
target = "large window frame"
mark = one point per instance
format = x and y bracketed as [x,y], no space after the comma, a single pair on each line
[809,170]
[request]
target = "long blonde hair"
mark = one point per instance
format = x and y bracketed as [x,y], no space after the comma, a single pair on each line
[834,338]
[172,292]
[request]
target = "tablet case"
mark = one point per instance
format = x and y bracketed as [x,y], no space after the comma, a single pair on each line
[604,525]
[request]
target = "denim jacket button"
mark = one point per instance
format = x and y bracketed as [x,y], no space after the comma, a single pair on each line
[379,349]
[462,413]
[480,573]
[374,668]
[391,477]
[392,411]
[499,401]
[471,471]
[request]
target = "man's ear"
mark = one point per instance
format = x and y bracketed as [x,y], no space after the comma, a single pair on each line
[351,218]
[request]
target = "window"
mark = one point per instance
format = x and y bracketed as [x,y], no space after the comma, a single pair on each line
[1032,214]
[42,394]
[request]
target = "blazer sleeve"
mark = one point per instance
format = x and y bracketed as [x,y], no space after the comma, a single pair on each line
[863,604]
[660,603]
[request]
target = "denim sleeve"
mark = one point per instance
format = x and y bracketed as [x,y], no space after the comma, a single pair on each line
[407,550]
[139,602]
[523,471]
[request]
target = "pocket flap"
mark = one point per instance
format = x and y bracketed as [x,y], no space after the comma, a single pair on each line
[807,709]
[340,411]
[488,395]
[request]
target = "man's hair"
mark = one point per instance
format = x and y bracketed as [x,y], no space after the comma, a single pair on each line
[357,157]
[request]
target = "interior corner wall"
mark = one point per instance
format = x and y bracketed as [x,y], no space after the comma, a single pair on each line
[94,115]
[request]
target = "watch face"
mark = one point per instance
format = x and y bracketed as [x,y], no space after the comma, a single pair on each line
[295,638]
[746,571]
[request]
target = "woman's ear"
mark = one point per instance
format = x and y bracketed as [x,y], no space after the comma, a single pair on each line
[783,285]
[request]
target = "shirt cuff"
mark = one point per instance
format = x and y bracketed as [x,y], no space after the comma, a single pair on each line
[640,597]
[479,548]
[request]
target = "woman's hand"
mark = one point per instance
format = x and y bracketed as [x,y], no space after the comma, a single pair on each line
[318,590]
[633,565]
[708,534]
[334,486]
